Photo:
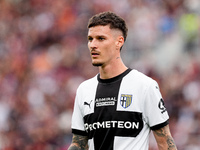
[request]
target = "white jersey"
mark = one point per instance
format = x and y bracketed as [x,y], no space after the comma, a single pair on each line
[118,113]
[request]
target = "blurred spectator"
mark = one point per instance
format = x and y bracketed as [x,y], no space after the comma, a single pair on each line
[44,57]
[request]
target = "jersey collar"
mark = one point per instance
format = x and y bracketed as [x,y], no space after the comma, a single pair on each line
[114,78]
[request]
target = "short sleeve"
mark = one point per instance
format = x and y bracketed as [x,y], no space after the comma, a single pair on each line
[155,112]
[77,117]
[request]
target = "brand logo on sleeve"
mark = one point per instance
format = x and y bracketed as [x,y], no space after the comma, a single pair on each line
[125,100]
[161,106]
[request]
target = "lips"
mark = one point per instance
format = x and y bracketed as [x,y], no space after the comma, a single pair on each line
[94,54]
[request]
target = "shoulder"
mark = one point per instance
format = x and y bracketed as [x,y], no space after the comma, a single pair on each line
[87,84]
[140,77]
[139,81]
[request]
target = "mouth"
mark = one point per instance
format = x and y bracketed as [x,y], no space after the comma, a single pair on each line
[94,54]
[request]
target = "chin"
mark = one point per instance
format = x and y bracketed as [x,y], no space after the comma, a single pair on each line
[97,64]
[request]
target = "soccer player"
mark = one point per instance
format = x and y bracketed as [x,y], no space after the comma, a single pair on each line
[117,109]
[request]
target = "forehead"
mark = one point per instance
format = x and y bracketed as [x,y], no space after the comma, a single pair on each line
[99,30]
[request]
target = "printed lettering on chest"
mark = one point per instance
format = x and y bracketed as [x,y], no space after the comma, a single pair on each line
[106,121]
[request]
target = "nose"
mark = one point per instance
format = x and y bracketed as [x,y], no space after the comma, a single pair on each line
[92,44]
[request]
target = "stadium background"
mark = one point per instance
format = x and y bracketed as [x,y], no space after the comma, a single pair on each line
[44,57]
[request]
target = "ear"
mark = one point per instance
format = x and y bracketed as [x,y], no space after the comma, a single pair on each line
[120,42]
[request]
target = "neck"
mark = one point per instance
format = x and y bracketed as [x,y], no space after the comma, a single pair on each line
[112,70]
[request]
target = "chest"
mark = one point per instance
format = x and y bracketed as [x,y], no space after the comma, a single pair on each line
[112,98]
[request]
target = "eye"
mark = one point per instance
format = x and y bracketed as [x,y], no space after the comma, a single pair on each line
[90,38]
[101,38]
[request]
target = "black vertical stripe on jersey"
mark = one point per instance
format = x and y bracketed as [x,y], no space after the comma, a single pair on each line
[104,137]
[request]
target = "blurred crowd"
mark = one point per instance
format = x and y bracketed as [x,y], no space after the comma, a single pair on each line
[44,57]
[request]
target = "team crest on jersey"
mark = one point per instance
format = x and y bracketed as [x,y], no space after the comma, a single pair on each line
[125,100]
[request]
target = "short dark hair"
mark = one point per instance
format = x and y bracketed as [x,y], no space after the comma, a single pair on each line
[109,18]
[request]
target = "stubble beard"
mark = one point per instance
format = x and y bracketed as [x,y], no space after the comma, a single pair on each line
[97,64]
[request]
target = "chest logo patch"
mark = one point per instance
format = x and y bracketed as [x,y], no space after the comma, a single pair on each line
[125,100]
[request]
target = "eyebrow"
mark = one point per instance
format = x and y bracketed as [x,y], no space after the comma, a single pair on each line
[97,36]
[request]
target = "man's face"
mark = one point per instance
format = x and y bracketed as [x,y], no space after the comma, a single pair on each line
[103,44]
